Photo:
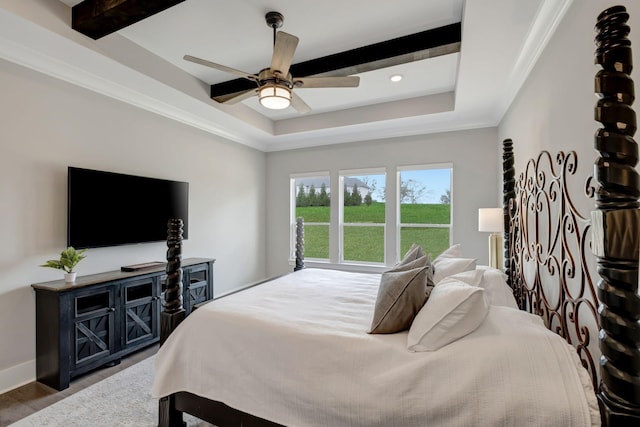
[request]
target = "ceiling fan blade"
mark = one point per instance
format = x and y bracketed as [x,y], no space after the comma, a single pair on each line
[310,82]
[283,52]
[220,67]
[234,98]
[299,104]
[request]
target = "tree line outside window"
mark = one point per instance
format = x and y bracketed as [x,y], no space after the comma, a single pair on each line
[312,197]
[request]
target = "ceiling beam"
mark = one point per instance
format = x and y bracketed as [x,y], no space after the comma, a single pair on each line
[98,18]
[401,50]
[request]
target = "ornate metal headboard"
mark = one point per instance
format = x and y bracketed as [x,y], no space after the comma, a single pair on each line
[551,246]
[549,262]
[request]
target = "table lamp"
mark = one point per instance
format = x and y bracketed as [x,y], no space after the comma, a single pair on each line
[491,220]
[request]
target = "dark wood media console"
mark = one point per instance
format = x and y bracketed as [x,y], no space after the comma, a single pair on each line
[101,317]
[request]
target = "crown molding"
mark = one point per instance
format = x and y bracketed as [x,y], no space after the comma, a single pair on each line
[549,16]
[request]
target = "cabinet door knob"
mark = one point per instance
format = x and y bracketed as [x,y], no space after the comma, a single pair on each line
[112,309]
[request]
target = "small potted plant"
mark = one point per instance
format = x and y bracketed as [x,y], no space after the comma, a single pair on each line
[69,258]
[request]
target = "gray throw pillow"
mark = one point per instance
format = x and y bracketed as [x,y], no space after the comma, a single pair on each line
[423,261]
[401,295]
[414,252]
[410,265]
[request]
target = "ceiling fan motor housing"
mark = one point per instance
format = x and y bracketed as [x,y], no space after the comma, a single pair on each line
[266,76]
[274,19]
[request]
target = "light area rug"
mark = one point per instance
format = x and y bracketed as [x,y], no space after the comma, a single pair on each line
[123,399]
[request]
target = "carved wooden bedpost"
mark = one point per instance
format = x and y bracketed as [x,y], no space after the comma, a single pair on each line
[172,313]
[508,199]
[299,244]
[616,224]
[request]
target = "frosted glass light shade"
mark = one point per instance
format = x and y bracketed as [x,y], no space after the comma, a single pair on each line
[275,97]
[491,220]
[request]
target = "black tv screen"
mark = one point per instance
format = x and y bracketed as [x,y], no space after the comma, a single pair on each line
[109,209]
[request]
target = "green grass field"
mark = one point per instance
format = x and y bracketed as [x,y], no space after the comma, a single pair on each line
[367,243]
[364,244]
[316,241]
[409,214]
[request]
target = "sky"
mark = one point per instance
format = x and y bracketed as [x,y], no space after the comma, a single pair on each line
[434,181]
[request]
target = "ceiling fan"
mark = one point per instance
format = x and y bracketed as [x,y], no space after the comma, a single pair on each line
[274,85]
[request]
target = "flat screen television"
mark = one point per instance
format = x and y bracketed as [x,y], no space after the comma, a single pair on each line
[110,209]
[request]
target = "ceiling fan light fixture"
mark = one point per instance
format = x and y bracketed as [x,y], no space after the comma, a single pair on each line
[275,97]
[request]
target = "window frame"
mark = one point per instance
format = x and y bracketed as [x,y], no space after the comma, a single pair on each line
[399,223]
[292,213]
[391,227]
[342,174]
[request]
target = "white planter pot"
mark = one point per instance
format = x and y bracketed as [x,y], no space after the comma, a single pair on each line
[70,277]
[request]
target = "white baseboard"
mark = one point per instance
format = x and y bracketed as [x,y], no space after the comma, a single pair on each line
[17,376]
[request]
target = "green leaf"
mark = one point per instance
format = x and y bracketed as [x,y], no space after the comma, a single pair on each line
[69,258]
[53,264]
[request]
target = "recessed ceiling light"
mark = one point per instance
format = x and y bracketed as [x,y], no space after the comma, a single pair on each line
[396,78]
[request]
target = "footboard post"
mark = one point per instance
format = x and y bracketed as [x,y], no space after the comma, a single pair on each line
[172,314]
[299,244]
[616,224]
[169,416]
[172,310]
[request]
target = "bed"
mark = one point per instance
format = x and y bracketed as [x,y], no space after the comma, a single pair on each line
[295,350]
[517,348]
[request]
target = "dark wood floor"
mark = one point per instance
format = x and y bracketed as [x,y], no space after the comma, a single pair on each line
[32,397]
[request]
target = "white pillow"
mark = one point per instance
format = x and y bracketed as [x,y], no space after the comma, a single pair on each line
[497,291]
[470,277]
[453,310]
[454,251]
[494,272]
[445,267]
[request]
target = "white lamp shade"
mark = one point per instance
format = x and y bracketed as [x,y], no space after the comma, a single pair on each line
[491,220]
[275,97]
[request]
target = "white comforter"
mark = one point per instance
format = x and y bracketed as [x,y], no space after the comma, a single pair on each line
[295,351]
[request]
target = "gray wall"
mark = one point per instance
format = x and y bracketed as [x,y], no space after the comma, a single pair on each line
[48,125]
[554,109]
[475,176]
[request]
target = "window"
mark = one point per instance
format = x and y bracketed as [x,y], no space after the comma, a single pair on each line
[373,218]
[312,195]
[362,216]
[424,208]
